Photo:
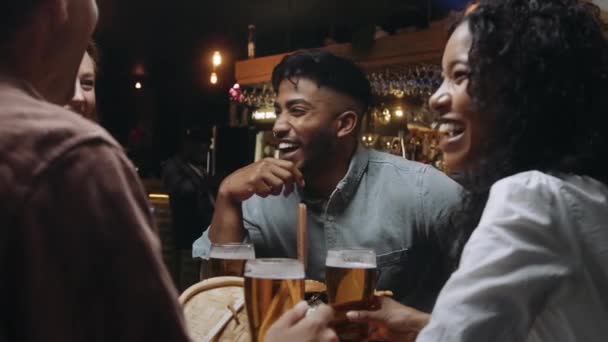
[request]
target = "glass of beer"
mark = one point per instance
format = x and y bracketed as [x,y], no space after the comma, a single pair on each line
[351,280]
[227,260]
[272,286]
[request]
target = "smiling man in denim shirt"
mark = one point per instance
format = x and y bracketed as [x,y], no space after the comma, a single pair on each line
[356,197]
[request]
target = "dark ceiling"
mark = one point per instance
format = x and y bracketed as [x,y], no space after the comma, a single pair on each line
[149,25]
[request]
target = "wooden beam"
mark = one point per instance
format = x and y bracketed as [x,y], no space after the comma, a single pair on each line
[258,70]
[400,49]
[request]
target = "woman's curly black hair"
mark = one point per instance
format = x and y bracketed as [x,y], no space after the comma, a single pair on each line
[539,72]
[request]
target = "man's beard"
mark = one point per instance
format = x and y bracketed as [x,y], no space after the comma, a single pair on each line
[320,155]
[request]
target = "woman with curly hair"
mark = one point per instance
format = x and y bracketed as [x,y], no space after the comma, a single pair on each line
[524,110]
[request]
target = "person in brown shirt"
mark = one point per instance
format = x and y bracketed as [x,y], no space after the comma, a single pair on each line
[78,258]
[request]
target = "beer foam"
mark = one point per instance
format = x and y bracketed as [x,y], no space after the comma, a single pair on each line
[351,259]
[274,269]
[232,252]
[345,264]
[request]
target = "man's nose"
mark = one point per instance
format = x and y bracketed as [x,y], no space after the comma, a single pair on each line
[280,128]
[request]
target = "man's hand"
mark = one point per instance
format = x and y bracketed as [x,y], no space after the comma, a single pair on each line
[394,322]
[263,178]
[296,326]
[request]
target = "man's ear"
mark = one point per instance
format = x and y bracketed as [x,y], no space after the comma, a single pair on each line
[347,123]
[58,10]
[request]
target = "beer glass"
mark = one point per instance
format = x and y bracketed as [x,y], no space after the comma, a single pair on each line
[272,286]
[227,260]
[351,280]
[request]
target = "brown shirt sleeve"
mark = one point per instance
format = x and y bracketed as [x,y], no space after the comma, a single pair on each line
[91,268]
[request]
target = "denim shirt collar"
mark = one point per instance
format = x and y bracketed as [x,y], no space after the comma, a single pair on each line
[347,187]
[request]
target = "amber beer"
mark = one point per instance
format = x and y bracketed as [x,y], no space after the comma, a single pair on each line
[228,259]
[272,286]
[351,281]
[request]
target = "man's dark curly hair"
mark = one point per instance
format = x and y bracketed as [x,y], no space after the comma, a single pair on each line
[539,71]
[327,70]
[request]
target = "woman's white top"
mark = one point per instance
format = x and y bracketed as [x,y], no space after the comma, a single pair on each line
[535,269]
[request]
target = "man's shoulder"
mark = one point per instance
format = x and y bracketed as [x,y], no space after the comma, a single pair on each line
[37,127]
[34,134]
[399,172]
[381,161]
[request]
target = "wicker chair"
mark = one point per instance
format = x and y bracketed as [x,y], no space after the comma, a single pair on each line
[210,307]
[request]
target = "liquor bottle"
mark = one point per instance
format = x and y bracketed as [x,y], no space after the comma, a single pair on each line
[411,146]
[418,156]
[251,42]
[426,148]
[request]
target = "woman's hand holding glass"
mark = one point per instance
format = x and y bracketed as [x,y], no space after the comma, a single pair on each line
[297,325]
[393,322]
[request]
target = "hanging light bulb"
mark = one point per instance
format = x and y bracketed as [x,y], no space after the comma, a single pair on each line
[213,78]
[138,85]
[217,59]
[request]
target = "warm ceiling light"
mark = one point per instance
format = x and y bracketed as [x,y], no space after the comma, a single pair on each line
[399,112]
[217,59]
[138,85]
[213,78]
[139,70]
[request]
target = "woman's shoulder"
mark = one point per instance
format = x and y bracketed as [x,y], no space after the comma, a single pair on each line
[530,179]
[546,184]
[550,200]
[529,186]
